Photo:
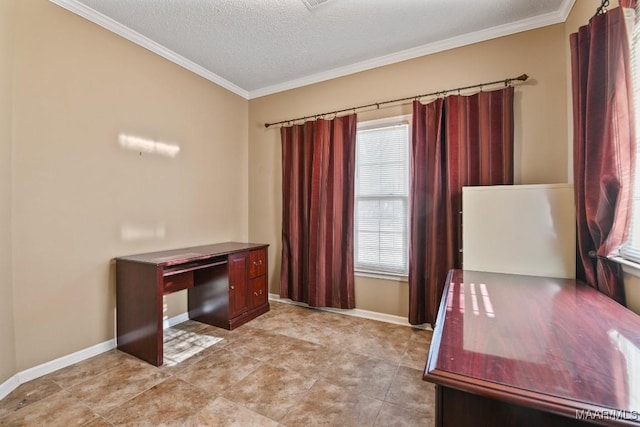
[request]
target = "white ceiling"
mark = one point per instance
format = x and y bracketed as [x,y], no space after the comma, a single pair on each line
[258,47]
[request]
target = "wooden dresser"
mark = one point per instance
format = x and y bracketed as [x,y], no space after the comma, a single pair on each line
[512,350]
[226,283]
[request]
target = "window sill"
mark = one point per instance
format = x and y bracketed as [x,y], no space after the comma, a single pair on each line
[382,275]
[628,266]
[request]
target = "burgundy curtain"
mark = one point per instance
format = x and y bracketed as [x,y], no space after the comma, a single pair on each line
[603,147]
[318,173]
[459,141]
[427,247]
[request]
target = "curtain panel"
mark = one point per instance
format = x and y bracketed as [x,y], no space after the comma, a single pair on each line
[603,146]
[427,220]
[456,141]
[318,182]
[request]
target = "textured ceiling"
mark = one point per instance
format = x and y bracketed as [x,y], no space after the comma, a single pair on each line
[257,47]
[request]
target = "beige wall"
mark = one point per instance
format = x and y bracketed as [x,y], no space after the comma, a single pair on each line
[80,199]
[632,292]
[7,341]
[540,134]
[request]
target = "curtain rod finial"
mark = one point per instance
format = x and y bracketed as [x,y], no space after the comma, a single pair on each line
[522,78]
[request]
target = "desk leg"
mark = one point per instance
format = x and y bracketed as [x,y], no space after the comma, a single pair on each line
[139,310]
[438,409]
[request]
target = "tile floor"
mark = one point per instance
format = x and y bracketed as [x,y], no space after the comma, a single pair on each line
[293,366]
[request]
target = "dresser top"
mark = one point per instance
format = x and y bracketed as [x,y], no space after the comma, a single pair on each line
[555,344]
[195,253]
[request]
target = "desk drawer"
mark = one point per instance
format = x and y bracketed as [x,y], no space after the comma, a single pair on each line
[257,263]
[177,282]
[258,288]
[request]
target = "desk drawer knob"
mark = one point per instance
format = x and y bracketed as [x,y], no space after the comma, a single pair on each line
[233,287]
[259,262]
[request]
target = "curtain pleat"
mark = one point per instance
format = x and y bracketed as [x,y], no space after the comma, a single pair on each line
[318,179]
[427,220]
[604,147]
[459,141]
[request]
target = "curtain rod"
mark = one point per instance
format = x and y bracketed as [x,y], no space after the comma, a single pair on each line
[506,82]
[602,8]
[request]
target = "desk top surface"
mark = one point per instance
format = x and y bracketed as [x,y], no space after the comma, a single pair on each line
[195,253]
[554,344]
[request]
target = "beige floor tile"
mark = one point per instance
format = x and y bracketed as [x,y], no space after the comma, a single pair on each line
[274,322]
[106,391]
[329,336]
[312,325]
[362,374]
[338,321]
[396,416]
[180,345]
[278,323]
[312,331]
[307,358]
[225,413]
[258,344]
[410,391]
[98,422]
[421,335]
[179,355]
[97,365]
[202,329]
[389,328]
[176,369]
[417,350]
[329,405]
[219,371]
[27,394]
[381,340]
[282,313]
[169,400]
[293,309]
[59,409]
[270,391]
[275,308]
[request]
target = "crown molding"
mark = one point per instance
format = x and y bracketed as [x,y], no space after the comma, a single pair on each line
[479,36]
[104,21]
[137,38]
[565,9]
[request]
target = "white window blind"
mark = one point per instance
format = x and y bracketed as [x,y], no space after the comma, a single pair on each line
[382,198]
[631,249]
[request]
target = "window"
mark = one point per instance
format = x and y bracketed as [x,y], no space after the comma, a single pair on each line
[382,196]
[631,250]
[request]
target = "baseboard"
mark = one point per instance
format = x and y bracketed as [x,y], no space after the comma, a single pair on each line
[172,321]
[9,385]
[62,362]
[356,312]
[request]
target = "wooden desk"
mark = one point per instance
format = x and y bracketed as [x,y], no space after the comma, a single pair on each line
[514,350]
[226,285]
